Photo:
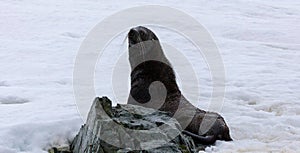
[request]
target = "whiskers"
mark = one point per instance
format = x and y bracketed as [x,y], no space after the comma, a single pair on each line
[123,46]
[143,48]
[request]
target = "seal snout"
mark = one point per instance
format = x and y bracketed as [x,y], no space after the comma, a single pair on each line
[134,36]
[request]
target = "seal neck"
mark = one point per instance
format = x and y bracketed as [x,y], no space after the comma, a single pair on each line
[146,51]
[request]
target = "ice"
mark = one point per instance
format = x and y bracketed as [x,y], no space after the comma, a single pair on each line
[258,41]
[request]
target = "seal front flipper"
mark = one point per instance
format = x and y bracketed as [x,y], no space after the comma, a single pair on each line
[201,139]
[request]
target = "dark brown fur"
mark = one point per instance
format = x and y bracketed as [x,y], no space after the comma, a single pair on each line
[149,64]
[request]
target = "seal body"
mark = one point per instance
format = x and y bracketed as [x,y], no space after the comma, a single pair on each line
[153,84]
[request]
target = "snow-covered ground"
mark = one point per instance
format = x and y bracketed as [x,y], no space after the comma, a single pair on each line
[258,41]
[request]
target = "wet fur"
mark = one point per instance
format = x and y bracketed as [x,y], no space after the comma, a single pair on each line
[146,72]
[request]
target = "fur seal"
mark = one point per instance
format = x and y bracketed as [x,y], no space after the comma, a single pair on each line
[153,84]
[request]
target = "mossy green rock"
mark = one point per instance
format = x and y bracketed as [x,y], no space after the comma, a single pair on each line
[129,128]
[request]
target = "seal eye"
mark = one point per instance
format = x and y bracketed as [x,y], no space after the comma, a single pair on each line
[143,35]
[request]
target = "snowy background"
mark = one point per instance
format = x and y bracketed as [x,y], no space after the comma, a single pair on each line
[258,41]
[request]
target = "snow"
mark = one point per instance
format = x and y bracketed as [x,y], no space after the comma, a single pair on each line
[258,41]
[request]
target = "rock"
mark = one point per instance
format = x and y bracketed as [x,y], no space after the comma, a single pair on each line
[129,128]
[64,149]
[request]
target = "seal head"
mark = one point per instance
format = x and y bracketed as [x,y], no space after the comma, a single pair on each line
[140,34]
[144,46]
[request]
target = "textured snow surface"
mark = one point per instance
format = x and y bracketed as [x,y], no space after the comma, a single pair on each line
[258,41]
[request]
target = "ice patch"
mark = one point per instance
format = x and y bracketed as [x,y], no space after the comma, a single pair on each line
[7,150]
[71,35]
[39,137]
[13,100]
[3,84]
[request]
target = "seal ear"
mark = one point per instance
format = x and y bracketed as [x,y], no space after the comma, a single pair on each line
[154,37]
[151,35]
